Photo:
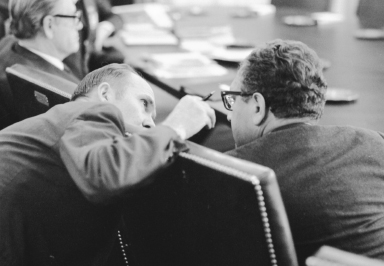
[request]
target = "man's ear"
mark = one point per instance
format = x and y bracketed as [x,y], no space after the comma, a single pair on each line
[260,109]
[47,27]
[105,92]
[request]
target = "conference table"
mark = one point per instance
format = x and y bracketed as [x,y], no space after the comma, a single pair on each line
[356,65]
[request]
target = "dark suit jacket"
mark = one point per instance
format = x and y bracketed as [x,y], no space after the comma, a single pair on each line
[332,183]
[11,53]
[63,177]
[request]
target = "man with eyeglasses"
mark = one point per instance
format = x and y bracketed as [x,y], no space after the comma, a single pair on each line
[331,177]
[44,32]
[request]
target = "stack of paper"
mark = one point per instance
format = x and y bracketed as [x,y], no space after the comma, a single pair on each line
[144,34]
[183,65]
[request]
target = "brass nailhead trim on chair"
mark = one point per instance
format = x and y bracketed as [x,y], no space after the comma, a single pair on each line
[259,192]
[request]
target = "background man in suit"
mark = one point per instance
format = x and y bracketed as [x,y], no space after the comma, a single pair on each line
[44,33]
[64,175]
[96,47]
[331,177]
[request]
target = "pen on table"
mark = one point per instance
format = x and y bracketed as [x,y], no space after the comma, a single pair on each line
[208,96]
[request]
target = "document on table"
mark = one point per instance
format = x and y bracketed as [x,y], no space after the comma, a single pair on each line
[146,34]
[183,65]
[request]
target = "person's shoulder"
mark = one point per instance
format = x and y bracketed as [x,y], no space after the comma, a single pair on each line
[368,132]
[93,111]
[98,107]
[350,134]
[63,115]
[348,129]
[12,53]
[6,45]
[249,150]
[87,107]
[8,40]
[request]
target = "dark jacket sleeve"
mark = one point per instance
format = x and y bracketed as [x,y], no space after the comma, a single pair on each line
[104,162]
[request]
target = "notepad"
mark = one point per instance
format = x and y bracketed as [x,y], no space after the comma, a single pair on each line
[143,35]
[183,65]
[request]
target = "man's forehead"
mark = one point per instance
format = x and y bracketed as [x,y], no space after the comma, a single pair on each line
[137,84]
[135,89]
[140,90]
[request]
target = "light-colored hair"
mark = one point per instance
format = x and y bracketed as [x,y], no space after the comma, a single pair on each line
[27,16]
[289,76]
[108,73]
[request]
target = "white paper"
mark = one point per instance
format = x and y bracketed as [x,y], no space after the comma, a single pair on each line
[183,65]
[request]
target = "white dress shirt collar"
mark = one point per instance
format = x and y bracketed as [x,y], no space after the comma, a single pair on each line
[53,60]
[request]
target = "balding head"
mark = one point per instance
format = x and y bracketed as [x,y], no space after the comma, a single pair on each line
[120,85]
[109,73]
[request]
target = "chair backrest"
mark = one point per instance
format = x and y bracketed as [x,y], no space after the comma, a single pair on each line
[36,91]
[208,208]
[328,256]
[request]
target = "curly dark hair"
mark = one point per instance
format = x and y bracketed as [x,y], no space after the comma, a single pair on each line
[289,76]
[27,16]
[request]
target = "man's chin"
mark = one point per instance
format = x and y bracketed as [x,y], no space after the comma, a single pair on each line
[75,48]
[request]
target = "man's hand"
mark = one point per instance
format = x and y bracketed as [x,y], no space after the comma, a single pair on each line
[189,116]
[103,31]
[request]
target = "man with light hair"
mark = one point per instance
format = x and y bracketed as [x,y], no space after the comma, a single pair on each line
[65,174]
[44,32]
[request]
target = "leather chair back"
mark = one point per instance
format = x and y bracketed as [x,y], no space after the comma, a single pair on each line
[36,91]
[208,208]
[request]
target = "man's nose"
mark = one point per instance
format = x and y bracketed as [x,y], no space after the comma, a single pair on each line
[149,123]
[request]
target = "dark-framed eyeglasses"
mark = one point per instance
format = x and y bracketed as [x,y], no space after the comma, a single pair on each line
[76,17]
[229,97]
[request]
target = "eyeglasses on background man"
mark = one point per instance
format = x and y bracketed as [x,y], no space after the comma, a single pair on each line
[229,98]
